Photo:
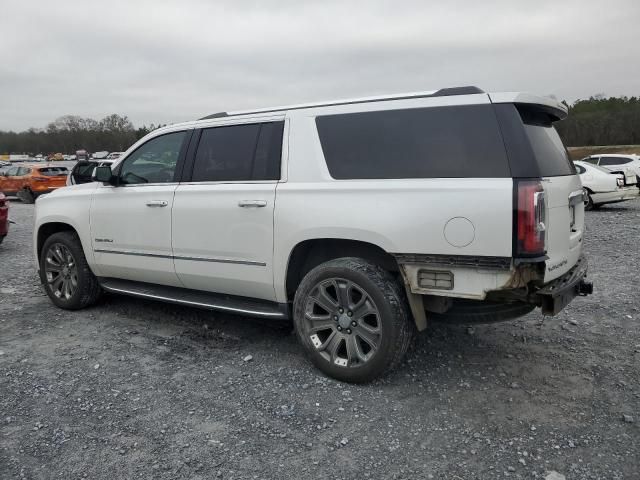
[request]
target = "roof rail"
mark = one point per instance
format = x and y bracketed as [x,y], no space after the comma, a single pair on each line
[443,92]
[215,115]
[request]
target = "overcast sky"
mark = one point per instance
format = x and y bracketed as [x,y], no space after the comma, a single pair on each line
[168,61]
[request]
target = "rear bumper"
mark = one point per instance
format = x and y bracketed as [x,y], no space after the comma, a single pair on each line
[556,295]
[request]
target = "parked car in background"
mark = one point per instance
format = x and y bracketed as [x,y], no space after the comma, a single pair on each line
[55,157]
[27,182]
[359,219]
[39,157]
[615,162]
[602,186]
[4,217]
[99,155]
[114,155]
[82,155]
[82,171]
[4,164]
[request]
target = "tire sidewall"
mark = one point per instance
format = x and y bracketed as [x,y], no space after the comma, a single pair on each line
[73,244]
[386,312]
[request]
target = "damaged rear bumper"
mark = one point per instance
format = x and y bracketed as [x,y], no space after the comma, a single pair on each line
[556,295]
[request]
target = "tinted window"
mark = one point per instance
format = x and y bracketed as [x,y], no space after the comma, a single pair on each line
[551,156]
[437,142]
[239,153]
[23,171]
[12,171]
[153,162]
[606,161]
[580,169]
[593,160]
[52,171]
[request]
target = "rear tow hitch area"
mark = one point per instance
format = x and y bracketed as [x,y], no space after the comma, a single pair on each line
[556,295]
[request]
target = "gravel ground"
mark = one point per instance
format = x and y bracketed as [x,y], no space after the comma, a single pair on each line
[134,389]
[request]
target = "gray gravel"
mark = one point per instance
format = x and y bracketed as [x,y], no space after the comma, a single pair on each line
[134,389]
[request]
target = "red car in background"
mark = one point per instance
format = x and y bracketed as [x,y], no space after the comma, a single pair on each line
[4,216]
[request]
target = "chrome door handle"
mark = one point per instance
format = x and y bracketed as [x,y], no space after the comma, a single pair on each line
[157,203]
[252,203]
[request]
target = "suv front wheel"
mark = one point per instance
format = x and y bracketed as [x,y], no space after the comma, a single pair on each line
[352,318]
[65,274]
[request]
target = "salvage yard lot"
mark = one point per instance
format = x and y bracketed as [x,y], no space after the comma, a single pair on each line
[134,389]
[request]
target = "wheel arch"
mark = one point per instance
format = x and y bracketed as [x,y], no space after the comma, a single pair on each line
[47,229]
[309,253]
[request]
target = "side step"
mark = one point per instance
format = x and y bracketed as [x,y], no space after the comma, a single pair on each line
[197,298]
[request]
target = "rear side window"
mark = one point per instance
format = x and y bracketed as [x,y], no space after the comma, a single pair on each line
[436,142]
[239,153]
[607,161]
[53,171]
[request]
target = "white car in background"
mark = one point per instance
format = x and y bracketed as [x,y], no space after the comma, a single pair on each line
[615,162]
[602,186]
[114,155]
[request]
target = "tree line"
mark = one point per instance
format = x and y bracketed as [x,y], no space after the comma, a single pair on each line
[595,121]
[69,133]
[602,121]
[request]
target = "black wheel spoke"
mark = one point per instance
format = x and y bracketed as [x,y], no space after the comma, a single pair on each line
[342,322]
[61,271]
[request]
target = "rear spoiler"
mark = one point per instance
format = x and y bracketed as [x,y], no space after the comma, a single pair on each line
[556,109]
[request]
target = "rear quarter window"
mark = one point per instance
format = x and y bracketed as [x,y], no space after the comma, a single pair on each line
[533,144]
[436,142]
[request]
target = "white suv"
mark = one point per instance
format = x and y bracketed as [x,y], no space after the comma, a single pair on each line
[359,219]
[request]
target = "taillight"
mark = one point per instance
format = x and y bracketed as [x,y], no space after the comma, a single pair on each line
[620,181]
[530,216]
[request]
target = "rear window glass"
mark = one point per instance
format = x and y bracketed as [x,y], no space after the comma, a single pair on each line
[614,160]
[239,153]
[550,154]
[53,171]
[436,142]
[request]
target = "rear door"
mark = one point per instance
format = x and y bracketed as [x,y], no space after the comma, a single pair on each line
[222,223]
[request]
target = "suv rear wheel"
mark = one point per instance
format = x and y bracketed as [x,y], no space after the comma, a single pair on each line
[352,318]
[65,274]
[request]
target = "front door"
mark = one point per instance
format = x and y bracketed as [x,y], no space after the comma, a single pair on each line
[223,217]
[131,221]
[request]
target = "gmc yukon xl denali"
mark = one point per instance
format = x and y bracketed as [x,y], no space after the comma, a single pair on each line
[361,220]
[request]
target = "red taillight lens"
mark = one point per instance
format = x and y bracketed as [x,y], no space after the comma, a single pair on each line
[530,217]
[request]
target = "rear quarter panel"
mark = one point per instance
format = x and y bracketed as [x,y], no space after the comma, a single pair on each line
[400,216]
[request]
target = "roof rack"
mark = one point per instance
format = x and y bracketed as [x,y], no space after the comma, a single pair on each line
[443,92]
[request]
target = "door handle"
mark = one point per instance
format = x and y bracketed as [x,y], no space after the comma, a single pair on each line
[252,203]
[157,203]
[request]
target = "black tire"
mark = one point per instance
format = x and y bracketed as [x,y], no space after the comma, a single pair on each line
[588,204]
[474,311]
[26,196]
[2,239]
[393,323]
[87,290]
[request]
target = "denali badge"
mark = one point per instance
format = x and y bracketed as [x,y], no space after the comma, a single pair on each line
[103,240]
[557,265]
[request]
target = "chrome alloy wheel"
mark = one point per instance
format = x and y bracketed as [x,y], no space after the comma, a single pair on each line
[342,322]
[61,271]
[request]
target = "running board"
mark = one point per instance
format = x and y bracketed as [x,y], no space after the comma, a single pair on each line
[197,298]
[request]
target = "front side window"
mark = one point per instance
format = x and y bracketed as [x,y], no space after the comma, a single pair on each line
[153,162]
[436,142]
[239,153]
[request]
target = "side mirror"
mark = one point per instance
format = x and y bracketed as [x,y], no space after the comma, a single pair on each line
[103,174]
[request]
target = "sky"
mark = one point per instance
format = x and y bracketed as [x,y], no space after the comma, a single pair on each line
[165,61]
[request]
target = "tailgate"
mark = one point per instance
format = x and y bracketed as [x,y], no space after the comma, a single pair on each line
[565,224]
